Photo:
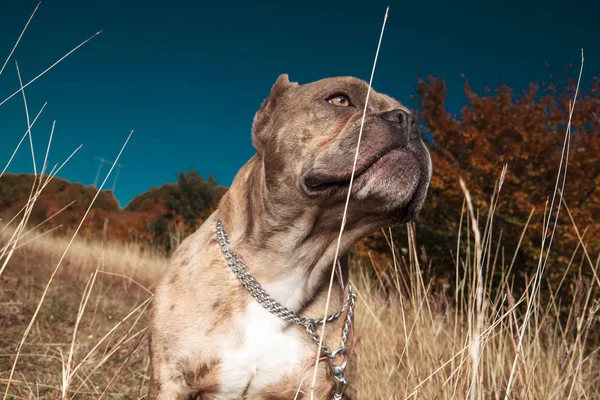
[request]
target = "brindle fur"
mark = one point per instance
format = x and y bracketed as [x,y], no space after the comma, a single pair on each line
[282,229]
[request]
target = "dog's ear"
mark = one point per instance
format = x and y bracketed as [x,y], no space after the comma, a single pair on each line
[263,116]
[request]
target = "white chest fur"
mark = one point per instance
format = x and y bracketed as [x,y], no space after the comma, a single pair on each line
[270,349]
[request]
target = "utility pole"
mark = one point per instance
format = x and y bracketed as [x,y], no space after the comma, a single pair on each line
[102,161]
[119,166]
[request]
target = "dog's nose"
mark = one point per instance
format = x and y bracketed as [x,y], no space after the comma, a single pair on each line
[405,121]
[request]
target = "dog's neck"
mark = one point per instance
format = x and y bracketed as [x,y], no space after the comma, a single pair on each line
[285,245]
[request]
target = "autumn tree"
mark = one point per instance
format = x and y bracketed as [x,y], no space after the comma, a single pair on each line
[526,131]
[178,208]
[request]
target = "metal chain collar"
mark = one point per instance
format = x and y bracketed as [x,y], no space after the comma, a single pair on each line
[310,324]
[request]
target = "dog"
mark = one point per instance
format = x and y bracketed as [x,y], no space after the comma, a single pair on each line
[210,339]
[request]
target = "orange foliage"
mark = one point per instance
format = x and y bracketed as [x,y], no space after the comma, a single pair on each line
[525,131]
[151,219]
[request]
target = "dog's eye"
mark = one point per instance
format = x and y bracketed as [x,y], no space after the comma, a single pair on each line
[339,100]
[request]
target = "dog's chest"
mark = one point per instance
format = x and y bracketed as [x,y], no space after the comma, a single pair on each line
[269,351]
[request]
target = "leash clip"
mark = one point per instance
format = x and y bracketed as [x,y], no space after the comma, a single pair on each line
[338,372]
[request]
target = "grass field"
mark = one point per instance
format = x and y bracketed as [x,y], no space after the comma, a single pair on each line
[89,338]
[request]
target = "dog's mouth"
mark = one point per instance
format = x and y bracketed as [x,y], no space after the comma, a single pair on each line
[319,182]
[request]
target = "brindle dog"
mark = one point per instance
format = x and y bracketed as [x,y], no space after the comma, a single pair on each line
[210,338]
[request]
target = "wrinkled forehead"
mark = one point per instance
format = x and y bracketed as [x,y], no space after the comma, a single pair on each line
[355,88]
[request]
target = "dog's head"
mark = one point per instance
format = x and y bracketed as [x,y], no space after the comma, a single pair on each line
[306,137]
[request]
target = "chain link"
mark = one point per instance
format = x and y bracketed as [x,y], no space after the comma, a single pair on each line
[310,324]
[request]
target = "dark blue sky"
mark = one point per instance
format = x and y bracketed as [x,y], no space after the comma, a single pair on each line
[188,76]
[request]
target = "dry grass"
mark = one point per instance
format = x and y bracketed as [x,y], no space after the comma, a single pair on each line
[419,345]
[108,333]
[135,263]
[73,315]
[412,342]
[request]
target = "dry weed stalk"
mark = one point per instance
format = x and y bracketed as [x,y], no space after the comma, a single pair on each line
[337,248]
[543,260]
